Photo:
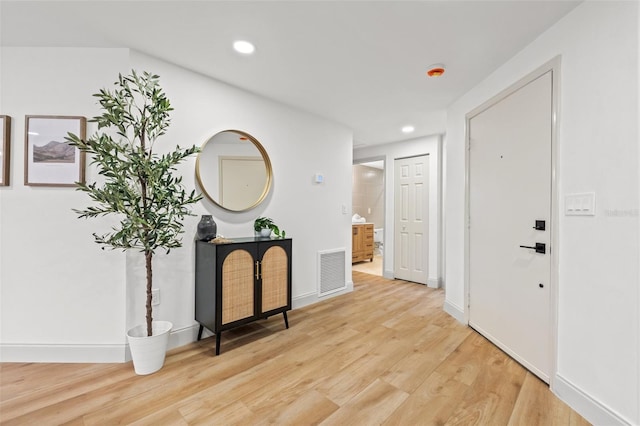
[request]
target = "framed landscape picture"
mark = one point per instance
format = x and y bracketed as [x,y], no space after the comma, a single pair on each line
[49,160]
[5,149]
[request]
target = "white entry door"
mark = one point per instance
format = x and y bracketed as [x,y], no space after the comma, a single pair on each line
[509,191]
[411,247]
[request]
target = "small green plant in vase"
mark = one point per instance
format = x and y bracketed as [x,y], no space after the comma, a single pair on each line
[264,226]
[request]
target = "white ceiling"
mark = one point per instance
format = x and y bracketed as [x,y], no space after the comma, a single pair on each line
[361,63]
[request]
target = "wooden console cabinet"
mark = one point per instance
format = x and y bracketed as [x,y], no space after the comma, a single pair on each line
[240,282]
[362,242]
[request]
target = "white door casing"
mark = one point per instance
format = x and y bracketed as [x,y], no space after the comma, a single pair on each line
[509,188]
[411,242]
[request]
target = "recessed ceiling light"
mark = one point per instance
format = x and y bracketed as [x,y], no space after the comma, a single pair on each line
[408,129]
[244,47]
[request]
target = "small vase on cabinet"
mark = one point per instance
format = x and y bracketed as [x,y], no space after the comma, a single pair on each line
[207,228]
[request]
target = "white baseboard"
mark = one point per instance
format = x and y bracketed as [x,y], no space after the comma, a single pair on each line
[595,412]
[183,336]
[311,298]
[304,300]
[455,311]
[433,283]
[388,275]
[107,353]
[28,352]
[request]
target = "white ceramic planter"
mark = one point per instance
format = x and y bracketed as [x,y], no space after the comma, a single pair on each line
[265,232]
[148,352]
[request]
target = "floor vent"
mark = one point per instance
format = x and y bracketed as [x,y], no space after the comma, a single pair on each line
[331,271]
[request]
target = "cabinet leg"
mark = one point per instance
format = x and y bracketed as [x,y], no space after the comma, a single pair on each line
[218,342]
[200,332]
[286,320]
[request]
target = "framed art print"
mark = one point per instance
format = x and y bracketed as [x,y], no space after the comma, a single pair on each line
[49,159]
[5,149]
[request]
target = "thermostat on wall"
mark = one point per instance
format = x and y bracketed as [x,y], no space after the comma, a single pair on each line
[318,178]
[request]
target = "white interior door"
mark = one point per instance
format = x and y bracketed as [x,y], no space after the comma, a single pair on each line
[509,190]
[411,247]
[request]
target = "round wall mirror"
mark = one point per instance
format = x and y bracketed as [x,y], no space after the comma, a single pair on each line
[234,170]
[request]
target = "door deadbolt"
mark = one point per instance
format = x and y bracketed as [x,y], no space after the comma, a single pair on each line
[539,248]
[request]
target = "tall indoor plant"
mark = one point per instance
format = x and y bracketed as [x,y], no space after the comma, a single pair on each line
[140,186]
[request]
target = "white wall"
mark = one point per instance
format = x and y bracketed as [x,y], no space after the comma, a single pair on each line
[429,145]
[64,299]
[59,293]
[598,308]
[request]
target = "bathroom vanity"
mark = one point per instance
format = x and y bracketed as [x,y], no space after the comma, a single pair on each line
[362,242]
[240,282]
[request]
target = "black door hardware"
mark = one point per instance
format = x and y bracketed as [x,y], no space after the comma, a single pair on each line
[539,248]
[540,225]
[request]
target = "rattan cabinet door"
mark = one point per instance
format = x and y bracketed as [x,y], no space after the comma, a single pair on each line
[238,286]
[275,276]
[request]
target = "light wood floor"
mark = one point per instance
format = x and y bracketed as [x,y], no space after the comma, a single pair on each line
[384,354]
[369,267]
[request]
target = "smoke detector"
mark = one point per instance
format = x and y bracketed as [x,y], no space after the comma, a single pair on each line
[435,70]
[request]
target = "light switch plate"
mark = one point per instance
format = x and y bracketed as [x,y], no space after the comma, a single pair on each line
[583,204]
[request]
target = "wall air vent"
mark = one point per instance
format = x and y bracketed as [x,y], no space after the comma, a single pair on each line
[331,271]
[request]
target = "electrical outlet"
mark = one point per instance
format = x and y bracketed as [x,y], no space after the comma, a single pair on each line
[155,296]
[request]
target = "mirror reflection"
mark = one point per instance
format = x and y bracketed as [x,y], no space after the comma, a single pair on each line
[234,170]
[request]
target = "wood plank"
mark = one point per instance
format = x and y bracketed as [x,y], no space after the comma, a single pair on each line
[492,394]
[235,413]
[371,406]
[163,417]
[431,404]
[310,408]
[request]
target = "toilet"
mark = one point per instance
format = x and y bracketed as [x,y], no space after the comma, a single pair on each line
[378,239]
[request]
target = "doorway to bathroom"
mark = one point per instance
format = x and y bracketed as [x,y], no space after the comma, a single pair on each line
[368,209]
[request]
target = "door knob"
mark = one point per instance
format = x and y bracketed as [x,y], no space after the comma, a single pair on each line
[539,248]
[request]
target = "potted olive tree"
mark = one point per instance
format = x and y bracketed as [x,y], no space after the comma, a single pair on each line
[140,187]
